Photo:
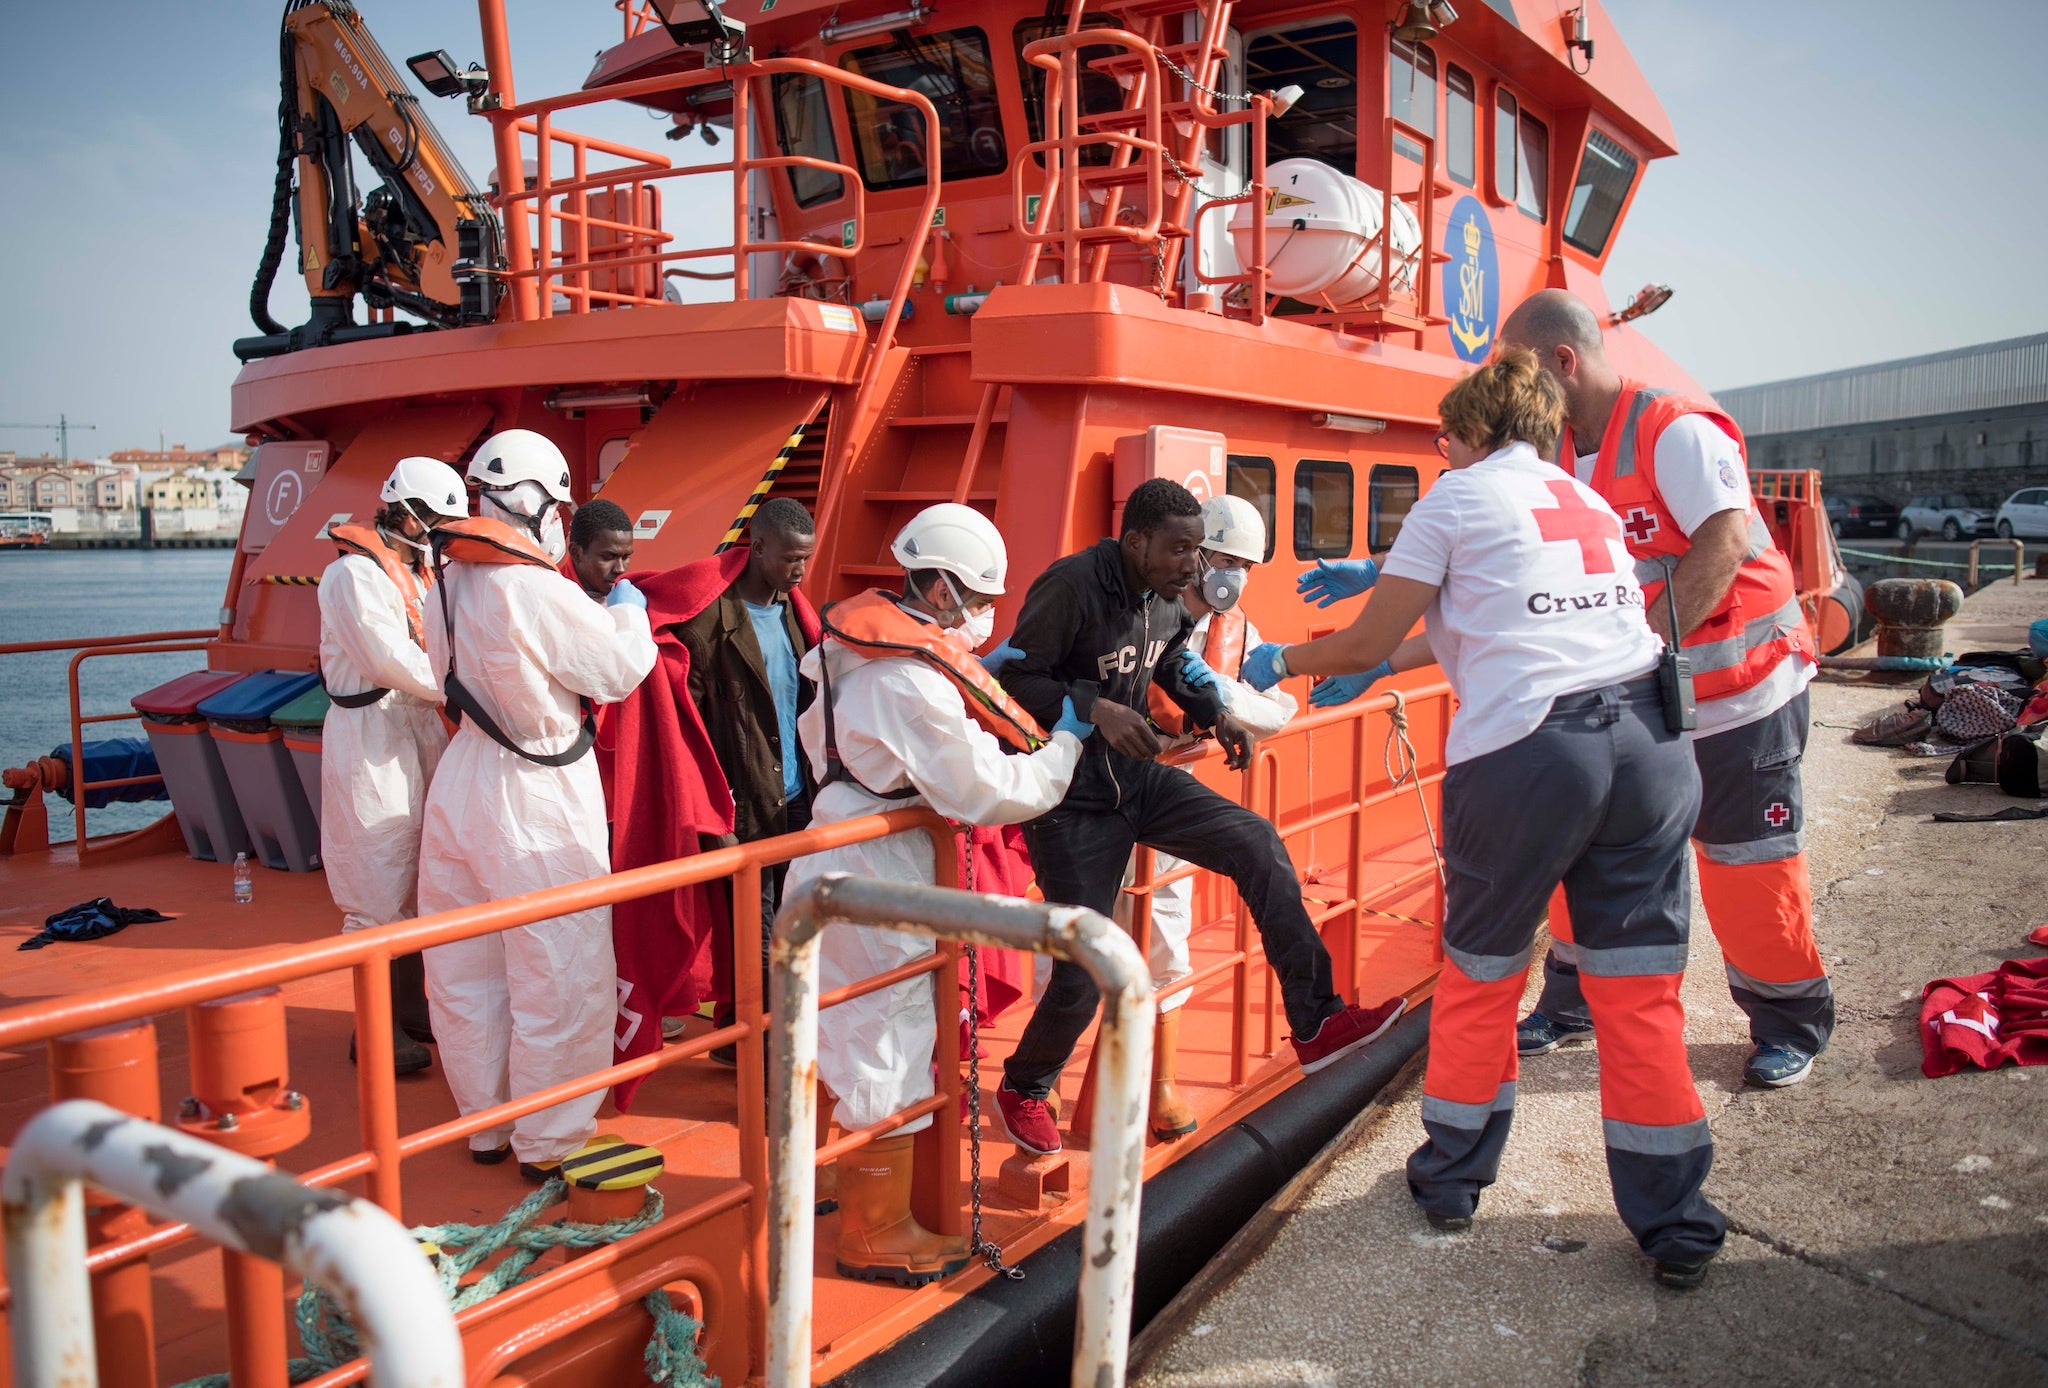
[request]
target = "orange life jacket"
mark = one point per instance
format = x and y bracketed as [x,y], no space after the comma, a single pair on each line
[482,540]
[368,541]
[1222,651]
[1758,622]
[876,626]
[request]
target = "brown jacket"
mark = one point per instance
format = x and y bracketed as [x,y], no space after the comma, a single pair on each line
[729,684]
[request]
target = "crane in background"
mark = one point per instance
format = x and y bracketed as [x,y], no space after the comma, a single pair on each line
[63,428]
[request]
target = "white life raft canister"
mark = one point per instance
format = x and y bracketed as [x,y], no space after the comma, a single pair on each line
[1323,235]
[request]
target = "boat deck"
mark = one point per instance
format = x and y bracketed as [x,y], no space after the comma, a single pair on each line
[687,1110]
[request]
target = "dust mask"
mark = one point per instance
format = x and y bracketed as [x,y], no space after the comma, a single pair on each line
[1221,588]
[528,506]
[974,632]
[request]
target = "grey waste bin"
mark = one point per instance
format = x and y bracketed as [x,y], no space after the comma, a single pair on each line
[274,807]
[193,774]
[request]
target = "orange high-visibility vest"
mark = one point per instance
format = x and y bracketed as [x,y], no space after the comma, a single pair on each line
[1222,651]
[368,541]
[481,540]
[874,625]
[1758,622]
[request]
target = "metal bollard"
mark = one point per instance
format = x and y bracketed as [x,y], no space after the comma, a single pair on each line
[1910,613]
[1110,1241]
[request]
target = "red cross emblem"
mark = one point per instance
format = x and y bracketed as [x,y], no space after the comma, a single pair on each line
[1574,520]
[1778,815]
[1641,523]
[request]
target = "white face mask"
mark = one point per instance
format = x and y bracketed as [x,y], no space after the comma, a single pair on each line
[977,629]
[530,508]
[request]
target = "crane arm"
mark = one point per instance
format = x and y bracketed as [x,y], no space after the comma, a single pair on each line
[399,245]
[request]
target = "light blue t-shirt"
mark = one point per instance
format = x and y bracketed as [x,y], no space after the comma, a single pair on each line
[778,657]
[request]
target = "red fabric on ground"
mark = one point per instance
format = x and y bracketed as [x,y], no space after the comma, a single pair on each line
[2038,935]
[666,794]
[1986,1020]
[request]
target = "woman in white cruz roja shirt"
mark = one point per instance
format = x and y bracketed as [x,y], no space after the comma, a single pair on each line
[1561,769]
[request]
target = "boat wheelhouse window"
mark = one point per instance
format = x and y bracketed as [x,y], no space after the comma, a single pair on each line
[1100,91]
[803,126]
[1322,509]
[1390,494]
[1532,169]
[1460,125]
[952,69]
[1506,115]
[1322,59]
[1605,172]
[1255,480]
[1411,93]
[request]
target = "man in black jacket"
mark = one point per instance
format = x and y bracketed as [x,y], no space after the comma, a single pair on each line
[1099,627]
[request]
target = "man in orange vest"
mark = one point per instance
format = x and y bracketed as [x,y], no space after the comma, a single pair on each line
[1676,472]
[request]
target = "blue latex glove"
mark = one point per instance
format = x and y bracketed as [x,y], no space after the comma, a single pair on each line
[994,661]
[1070,722]
[1333,580]
[624,594]
[1261,668]
[1342,689]
[1197,673]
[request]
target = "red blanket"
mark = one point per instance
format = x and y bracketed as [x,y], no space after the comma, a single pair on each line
[1986,1020]
[667,794]
[1002,867]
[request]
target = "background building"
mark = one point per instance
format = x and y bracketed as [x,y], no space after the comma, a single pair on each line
[178,457]
[1973,420]
[50,484]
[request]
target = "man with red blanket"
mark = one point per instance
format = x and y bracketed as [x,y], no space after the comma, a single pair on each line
[681,782]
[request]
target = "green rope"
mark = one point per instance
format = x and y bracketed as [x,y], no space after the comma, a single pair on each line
[331,1340]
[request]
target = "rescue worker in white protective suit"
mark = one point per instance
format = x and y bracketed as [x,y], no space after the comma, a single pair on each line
[517,806]
[906,716]
[1233,540]
[383,736]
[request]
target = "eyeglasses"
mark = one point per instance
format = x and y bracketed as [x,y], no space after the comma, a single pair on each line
[1443,445]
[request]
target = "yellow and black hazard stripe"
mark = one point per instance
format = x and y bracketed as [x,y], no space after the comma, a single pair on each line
[765,485]
[292,580]
[611,1163]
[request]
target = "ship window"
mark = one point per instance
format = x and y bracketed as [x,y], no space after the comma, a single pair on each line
[1532,169]
[1506,112]
[1255,480]
[1321,59]
[1100,91]
[1411,93]
[953,70]
[803,126]
[1322,509]
[1460,122]
[1605,172]
[1390,495]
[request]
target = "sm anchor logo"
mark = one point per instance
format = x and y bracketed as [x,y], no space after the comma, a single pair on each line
[1472,286]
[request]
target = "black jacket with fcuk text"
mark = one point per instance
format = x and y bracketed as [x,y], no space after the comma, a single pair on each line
[1086,635]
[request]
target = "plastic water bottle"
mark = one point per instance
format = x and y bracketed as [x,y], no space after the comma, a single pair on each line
[245,887]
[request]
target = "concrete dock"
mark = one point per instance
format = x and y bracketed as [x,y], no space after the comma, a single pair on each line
[1884,1227]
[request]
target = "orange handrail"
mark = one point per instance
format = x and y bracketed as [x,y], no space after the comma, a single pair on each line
[72,643]
[79,785]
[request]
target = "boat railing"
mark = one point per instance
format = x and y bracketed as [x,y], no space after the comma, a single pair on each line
[87,648]
[1349,796]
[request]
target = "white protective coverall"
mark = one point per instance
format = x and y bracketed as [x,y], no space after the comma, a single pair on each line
[523,1009]
[375,761]
[901,723]
[1173,904]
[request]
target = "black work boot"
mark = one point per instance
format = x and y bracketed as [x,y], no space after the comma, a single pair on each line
[409,998]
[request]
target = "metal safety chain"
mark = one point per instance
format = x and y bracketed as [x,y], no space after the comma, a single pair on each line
[1241,98]
[977,1245]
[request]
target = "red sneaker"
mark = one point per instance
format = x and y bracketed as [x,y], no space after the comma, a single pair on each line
[1030,1123]
[1344,1032]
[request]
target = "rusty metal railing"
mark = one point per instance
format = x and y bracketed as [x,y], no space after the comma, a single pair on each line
[1123,1055]
[350,1249]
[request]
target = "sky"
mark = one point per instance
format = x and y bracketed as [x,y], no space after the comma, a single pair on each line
[1857,180]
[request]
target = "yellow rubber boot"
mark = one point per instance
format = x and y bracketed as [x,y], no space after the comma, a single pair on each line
[879,1239]
[1172,1116]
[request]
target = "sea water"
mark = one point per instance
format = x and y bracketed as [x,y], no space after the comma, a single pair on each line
[70,594]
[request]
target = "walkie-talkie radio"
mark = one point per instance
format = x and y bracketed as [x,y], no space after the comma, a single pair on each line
[1674,673]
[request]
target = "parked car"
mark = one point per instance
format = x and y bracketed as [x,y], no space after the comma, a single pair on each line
[1952,515]
[2025,515]
[1853,513]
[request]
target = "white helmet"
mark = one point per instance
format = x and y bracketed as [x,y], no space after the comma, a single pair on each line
[512,456]
[958,540]
[431,483]
[1231,525]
